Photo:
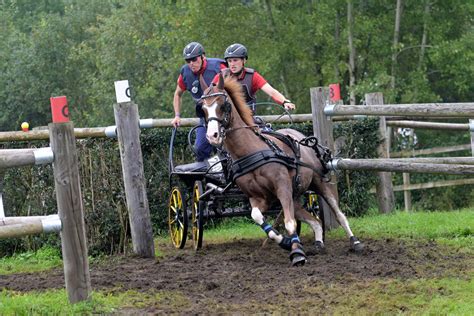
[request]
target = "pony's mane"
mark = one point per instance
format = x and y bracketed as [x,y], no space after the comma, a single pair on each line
[236,93]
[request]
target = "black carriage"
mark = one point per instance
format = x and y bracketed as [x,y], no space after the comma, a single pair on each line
[200,191]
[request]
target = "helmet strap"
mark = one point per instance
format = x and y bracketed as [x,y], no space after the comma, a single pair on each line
[202,63]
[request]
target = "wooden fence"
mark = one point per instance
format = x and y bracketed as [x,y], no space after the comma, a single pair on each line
[70,218]
[67,185]
[375,107]
[127,130]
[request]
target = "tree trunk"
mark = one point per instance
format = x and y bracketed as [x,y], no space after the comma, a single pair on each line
[424,38]
[396,35]
[268,6]
[350,26]
[336,43]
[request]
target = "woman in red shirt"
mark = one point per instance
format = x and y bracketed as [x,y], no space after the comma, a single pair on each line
[236,56]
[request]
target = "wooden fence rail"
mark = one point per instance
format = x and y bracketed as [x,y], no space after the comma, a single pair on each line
[399,166]
[429,185]
[110,131]
[10,158]
[430,151]
[430,125]
[439,160]
[28,225]
[465,110]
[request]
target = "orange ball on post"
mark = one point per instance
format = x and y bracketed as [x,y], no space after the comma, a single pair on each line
[25,126]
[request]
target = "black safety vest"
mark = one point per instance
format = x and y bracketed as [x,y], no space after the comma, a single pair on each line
[246,83]
[191,80]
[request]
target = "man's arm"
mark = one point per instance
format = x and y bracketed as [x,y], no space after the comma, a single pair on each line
[277,96]
[178,93]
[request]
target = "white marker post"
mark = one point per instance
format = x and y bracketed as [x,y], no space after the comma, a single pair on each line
[122,91]
[127,121]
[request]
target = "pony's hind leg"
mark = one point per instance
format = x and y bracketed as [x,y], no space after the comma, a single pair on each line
[316,226]
[330,199]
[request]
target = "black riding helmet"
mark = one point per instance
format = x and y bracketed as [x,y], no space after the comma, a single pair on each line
[192,50]
[236,51]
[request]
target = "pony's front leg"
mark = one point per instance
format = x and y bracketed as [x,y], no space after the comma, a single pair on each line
[288,243]
[297,254]
[258,207]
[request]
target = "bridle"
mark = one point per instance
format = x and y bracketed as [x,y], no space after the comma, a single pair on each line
[224,122]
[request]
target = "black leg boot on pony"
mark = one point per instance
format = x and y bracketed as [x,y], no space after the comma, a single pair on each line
[297,254]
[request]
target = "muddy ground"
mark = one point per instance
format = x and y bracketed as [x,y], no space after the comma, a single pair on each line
[240,276]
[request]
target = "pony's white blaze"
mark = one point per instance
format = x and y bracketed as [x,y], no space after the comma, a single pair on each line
[212,133]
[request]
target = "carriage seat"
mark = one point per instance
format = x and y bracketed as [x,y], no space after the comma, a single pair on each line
[199,166]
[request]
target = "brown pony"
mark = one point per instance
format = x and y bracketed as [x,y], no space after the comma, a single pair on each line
[230,123]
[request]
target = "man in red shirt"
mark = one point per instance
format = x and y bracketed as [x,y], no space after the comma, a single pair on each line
[236,55]
[194,77]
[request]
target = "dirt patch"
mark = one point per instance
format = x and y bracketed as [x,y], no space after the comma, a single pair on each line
[241,271]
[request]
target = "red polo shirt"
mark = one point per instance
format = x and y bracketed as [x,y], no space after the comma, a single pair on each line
[257,80]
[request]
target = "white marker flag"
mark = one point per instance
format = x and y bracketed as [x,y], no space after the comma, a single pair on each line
[122,91]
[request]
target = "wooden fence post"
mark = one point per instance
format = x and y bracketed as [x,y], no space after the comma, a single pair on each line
[406,177]
[128,134]
[70,209]
[322,129]
[384,187]
[471,129]
[2,211]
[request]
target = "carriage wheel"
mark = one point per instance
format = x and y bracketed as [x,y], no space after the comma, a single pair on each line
[197,215]
[315,210]
[177,218]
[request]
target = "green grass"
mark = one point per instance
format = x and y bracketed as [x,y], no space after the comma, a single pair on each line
[55,302]
[420,225]
[455,228]
[43,259]
[445,296]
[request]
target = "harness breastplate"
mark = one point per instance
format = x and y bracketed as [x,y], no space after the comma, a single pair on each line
[253,161]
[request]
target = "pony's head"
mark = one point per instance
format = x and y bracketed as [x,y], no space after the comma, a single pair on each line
[224,107]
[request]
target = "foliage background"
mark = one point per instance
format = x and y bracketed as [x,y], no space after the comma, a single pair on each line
[78,48]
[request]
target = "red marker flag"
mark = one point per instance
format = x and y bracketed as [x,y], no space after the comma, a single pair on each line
[334,92]
[59,109]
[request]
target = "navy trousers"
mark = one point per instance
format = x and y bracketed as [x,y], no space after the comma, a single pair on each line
[201,145]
